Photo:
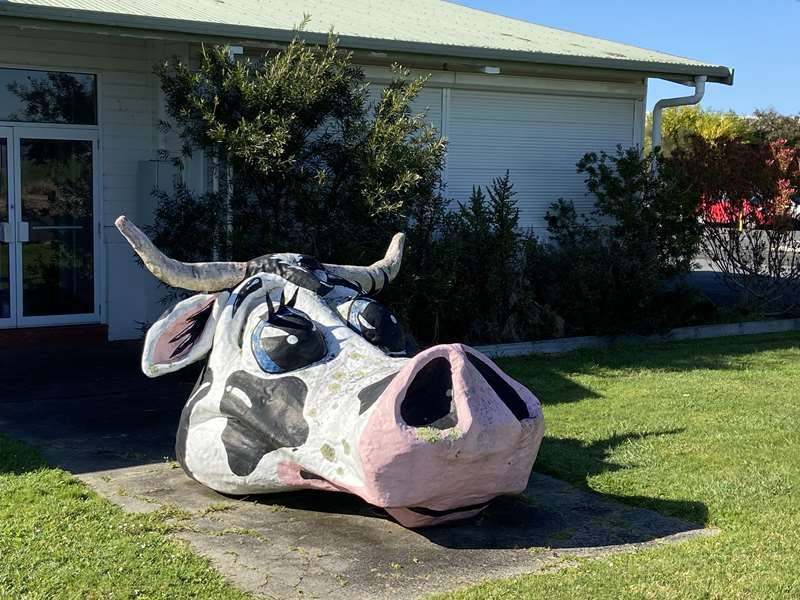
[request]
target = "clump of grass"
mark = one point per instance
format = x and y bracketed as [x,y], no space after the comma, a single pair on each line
[240,531]
[216,507]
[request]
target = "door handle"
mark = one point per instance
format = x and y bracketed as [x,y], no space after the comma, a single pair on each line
[6,233]
[23,232]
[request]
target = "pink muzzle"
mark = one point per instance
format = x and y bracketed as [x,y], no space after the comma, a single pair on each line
[449,433]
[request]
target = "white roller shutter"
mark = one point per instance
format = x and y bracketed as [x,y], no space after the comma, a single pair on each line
[537,137]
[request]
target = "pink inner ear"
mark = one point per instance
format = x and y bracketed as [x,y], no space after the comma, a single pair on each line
[177,333]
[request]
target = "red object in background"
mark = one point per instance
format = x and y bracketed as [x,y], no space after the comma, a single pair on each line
[723,213]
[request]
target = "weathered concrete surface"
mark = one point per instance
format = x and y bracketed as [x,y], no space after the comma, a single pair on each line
[92,413]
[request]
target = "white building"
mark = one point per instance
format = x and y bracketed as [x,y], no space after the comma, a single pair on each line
[80,108]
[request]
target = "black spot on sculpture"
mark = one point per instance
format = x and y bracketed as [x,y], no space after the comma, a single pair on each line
[273,419]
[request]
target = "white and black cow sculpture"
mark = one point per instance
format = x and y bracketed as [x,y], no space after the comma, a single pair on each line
[307,384]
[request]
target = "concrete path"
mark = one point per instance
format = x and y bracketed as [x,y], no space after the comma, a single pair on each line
[115,430]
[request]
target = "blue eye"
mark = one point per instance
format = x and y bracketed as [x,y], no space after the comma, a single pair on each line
[262,356]
[288,340]
[356,317]
[377,325]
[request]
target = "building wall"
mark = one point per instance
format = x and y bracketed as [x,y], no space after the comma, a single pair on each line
[536,128]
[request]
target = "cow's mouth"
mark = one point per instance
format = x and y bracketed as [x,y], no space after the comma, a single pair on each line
[430,512]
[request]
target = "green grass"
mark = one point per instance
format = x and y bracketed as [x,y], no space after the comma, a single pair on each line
[707,431]
[60,540]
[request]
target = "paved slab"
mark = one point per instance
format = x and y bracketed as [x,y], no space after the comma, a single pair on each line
[115,429]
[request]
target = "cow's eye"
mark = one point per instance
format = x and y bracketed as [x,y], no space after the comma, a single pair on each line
[376,324]
[287,340]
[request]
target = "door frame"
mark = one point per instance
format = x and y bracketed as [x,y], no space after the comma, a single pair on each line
[11,321]
[56,132]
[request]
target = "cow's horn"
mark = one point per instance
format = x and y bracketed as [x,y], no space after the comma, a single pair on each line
[198,277]
[375,276]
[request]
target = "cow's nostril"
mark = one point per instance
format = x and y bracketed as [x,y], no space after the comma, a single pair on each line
[501,387]
[429,399]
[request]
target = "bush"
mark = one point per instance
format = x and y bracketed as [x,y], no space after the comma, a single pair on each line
[608,271]
[769,126]
[492,299]
[684,122]
[746,193]
[305,162]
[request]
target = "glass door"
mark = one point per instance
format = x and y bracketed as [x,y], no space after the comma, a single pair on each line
[7,232]
[57,226]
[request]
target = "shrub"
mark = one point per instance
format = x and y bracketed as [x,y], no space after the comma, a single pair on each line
[306,162]
[496,299]
[608,271]
[769,126]
[682,123]
[746,193]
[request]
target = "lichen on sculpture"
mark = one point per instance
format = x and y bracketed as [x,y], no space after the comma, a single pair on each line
[309,383]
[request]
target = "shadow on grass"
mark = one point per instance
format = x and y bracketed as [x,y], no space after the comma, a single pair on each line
[112,417]
[577,462]
[552,378]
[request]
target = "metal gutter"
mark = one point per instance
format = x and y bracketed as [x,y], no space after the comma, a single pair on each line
[658,109]
[714,73]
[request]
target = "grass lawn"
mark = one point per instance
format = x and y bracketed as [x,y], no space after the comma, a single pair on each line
[59,540]
[707,431]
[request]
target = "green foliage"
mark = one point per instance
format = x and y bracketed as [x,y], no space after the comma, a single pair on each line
[305,162]
[770,126]
[683,122]
[308,165]
[487,271]
[606,272]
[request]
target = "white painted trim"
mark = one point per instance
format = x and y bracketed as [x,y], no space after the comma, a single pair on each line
[445,126]
[69,133]
[28,125]
[516,83]
[639,116]
[11,321]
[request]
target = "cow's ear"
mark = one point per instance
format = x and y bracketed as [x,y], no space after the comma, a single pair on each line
[182,335]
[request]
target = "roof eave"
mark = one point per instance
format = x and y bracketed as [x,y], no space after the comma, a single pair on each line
[719,74]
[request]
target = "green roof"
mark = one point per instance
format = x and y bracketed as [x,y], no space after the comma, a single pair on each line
[429,27]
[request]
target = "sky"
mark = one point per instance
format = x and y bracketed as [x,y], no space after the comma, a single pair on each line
[759,39]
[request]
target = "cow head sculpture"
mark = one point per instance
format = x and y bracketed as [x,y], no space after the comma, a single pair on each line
[307,384]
